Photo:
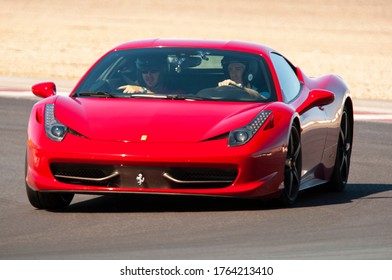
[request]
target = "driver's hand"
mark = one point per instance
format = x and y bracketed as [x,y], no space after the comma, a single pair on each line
[229,82]
[131,89]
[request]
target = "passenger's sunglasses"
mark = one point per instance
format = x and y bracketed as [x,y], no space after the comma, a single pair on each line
[152,71]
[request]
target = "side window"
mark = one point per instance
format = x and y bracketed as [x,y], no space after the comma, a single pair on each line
[288,80]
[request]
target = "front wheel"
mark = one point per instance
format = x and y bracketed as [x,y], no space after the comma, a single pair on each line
[292,169]
[43,200]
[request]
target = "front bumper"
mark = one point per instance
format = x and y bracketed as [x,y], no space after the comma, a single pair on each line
[80,165]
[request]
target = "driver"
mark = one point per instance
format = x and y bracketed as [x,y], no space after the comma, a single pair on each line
[236,69]
[150,75]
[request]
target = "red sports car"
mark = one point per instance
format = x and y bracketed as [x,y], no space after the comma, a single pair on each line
[192,117]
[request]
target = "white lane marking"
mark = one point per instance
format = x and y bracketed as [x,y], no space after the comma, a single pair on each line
[372,117]
[23,94]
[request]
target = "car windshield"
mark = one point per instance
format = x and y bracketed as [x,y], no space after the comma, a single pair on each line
[178,73]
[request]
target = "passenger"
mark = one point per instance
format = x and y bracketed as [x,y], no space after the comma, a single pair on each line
[150,76]
[237,70]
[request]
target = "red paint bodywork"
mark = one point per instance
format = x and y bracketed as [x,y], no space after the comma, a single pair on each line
[185,133]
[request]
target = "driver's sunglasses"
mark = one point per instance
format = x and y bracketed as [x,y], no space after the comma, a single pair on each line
[151,71]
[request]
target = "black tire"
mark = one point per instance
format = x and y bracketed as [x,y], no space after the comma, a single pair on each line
[46,200]
[292,169]
[343,154]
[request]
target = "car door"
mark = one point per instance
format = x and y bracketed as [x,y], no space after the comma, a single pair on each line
[313,121]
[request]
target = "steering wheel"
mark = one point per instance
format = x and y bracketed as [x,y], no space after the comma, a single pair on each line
[227,93]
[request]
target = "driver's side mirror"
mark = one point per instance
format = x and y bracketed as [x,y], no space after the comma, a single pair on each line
[316,98]
[44,90]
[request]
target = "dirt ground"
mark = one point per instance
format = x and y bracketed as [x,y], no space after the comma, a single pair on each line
[60,39]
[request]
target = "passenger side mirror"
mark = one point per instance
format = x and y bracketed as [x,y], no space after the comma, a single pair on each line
[44,90]
[316,98]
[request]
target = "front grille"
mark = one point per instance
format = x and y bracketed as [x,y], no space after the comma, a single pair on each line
[204,174]
[83,174]
[201,177]
[144,177]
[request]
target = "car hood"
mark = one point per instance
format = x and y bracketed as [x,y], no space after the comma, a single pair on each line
[150,120]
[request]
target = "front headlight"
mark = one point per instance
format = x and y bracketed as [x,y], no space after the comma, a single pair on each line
[53,128]
[242,135]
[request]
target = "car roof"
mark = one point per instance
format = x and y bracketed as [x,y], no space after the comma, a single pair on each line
[241,46]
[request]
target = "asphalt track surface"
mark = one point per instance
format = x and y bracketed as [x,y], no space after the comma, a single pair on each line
[354,224]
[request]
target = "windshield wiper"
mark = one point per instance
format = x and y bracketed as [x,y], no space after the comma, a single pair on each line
[106,94]
[167,96]
[148,95]
[185,97]
[96,94]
